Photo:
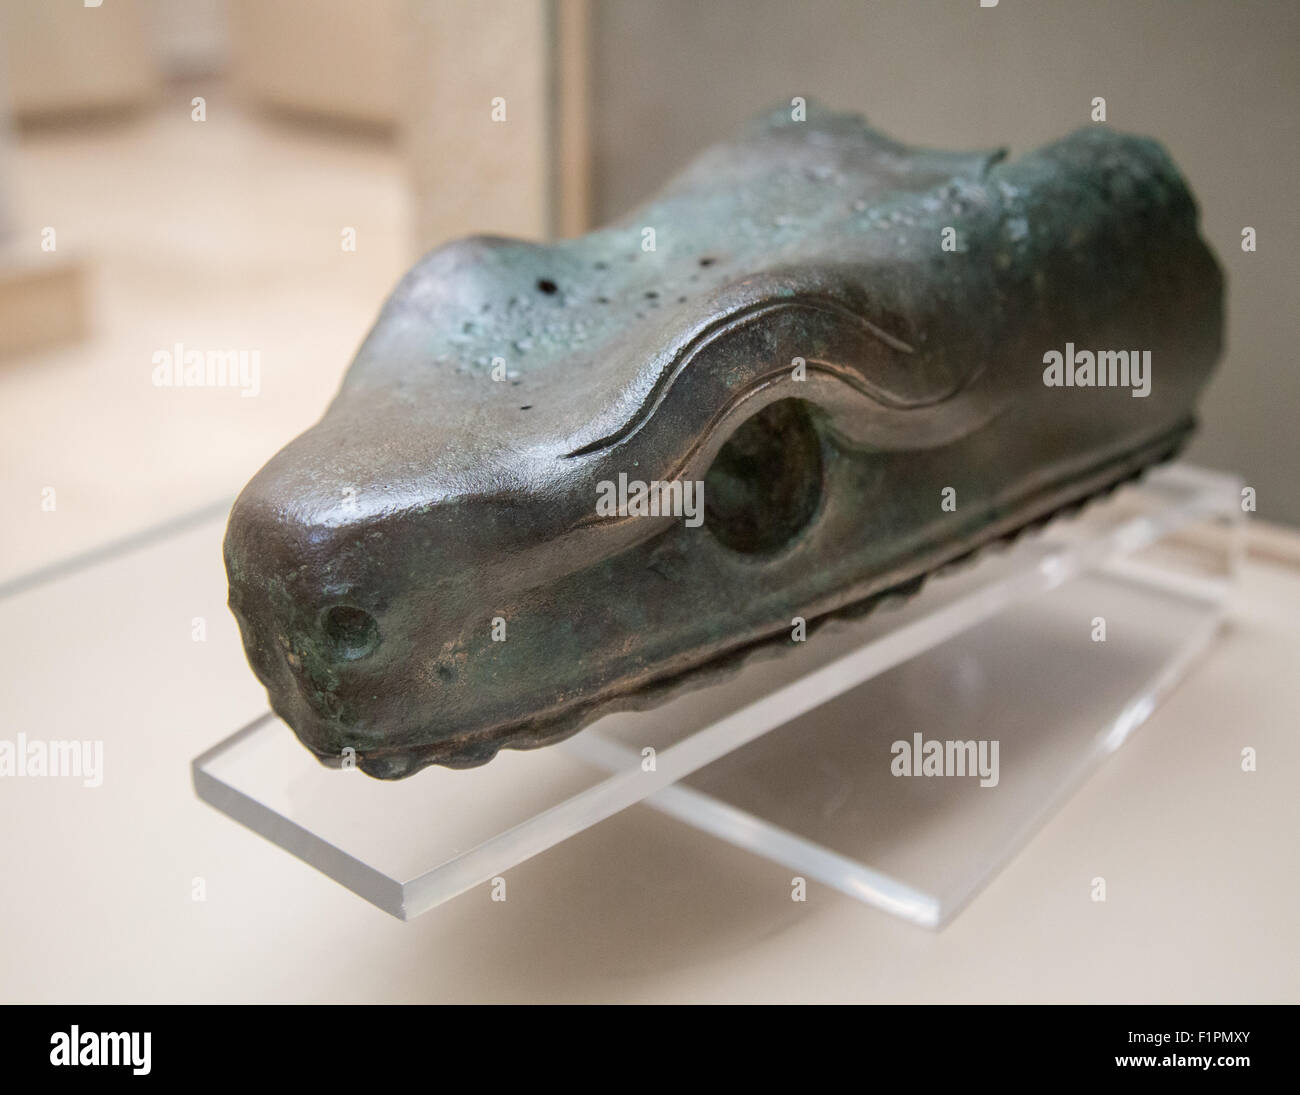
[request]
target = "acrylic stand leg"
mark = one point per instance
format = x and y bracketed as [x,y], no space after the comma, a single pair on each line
[795,758]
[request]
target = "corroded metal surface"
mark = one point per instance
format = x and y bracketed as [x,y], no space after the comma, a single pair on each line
[840,341]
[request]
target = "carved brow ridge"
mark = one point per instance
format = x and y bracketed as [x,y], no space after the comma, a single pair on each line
[744,316]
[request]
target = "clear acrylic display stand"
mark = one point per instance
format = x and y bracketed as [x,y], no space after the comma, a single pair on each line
[793,757]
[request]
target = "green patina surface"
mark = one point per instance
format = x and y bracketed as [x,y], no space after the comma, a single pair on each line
[423,577]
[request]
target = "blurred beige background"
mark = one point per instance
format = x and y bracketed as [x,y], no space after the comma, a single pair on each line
[321,116]
[227,232]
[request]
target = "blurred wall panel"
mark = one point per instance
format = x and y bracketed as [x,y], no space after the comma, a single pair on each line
[191,36]
[336,59]
[6,156]
[479,128]
[42,294]
[571,97]
[68,59]
[1215,82]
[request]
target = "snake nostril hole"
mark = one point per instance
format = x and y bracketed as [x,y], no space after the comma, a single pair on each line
[352,632]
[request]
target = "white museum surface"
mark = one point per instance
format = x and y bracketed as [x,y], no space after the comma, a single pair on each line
[139,891]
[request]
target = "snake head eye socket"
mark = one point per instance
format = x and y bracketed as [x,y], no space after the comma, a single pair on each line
[765,484]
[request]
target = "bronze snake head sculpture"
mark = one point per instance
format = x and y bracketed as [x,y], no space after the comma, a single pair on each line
[822,332]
